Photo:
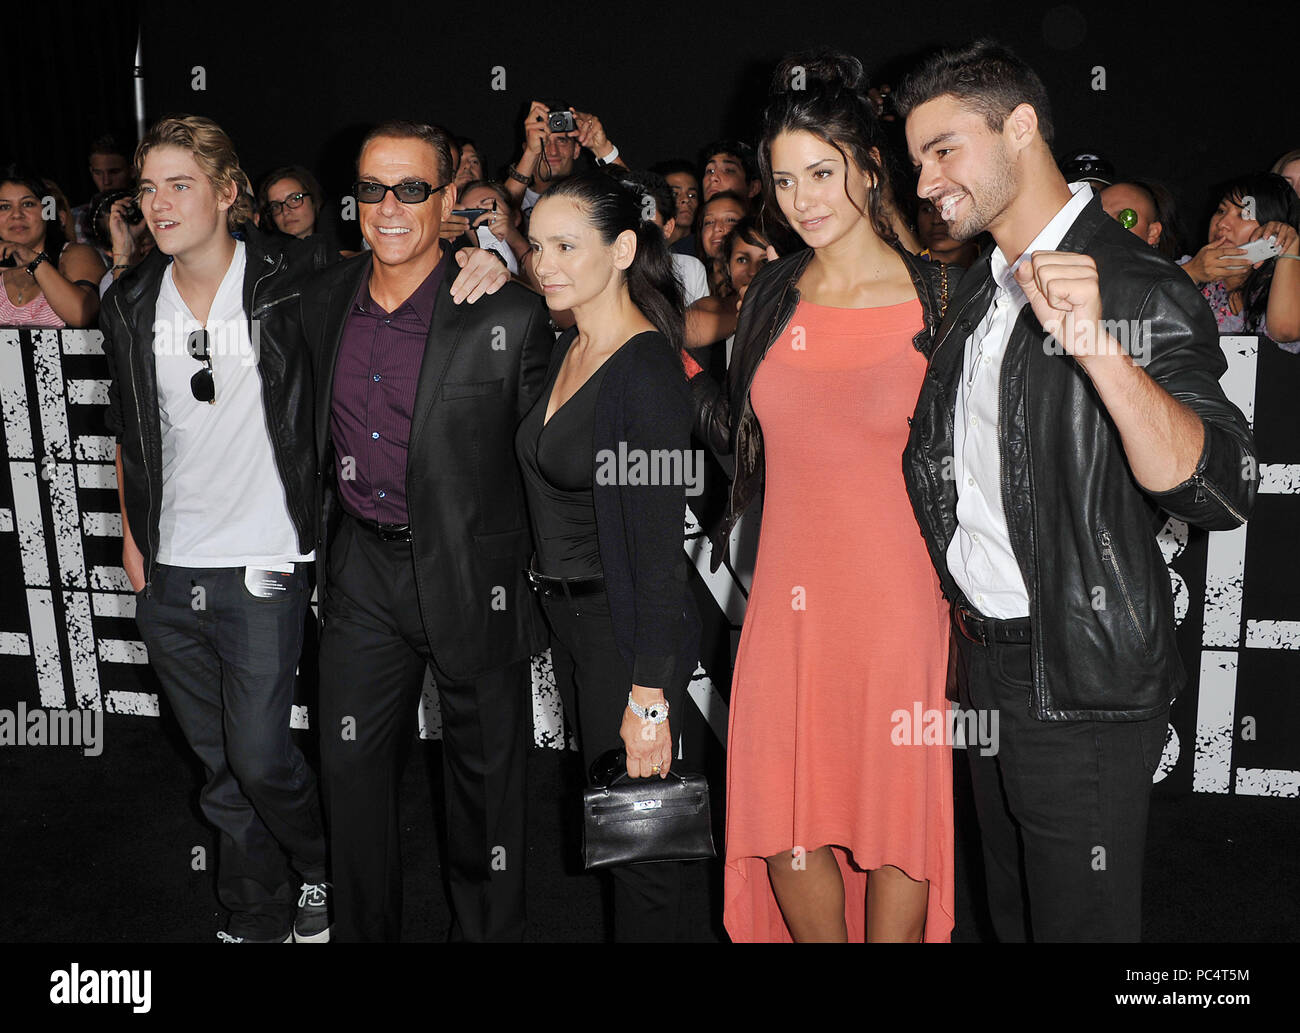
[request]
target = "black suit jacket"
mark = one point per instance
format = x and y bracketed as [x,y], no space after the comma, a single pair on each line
[484,365]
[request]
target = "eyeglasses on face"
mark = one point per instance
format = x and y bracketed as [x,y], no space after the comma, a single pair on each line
[292,201]
[410,191]
[202,386]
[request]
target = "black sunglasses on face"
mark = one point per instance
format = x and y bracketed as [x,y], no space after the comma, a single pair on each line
[411,191]
[202,386]
[292,201]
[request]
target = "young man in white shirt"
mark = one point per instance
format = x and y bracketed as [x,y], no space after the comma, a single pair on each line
[1045,441]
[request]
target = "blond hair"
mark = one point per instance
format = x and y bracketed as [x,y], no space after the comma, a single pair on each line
[214,154]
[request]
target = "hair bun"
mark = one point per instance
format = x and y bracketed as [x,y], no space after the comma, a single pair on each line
[822,70]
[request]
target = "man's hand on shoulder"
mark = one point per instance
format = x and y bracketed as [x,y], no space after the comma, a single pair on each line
[481,272]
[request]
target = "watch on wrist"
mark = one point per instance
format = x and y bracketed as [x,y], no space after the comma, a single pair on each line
[519,177]
[655,713]
[31,266]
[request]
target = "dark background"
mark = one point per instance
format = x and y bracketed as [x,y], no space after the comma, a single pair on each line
[1189,99]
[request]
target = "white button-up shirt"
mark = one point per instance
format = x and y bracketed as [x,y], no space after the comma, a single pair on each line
[979,555]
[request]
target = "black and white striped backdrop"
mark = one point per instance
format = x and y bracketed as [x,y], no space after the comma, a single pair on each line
[68,639]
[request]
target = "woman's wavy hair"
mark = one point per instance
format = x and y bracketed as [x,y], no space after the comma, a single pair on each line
[746,231]
[212,151]
[310,186]
[824,92]
[651,281]
[1275,201]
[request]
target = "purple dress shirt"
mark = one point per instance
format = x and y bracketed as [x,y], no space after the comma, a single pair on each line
[375,377]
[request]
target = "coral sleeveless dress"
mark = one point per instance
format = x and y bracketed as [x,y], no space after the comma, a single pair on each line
[845,628]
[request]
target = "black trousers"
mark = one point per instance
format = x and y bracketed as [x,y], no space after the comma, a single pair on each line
[373,656]
[226,660]
[1062,808]
[594,679]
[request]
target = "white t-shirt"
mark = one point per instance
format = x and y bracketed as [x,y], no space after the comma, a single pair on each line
[692,276]
[980,557]
[223,502]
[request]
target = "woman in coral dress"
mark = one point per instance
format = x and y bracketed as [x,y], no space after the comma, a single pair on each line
[839,817]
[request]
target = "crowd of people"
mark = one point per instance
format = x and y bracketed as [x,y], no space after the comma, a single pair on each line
[427,420]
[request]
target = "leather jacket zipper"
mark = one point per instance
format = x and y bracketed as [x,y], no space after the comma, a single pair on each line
[1202,483]
[1108,555]
[144,448]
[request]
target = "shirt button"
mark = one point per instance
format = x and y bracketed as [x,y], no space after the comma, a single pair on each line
[987,360]
[374,434]
[974,538]
[377,378]
[974,420]
[970,481]
[381,493]
[387,322]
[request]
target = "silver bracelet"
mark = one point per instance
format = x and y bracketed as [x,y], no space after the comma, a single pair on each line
[1294,258]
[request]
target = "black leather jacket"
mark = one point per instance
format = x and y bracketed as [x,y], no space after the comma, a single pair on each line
[725,419]
[1077,519]
[271,279]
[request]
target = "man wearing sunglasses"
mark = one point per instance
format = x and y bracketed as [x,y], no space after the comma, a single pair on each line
[211,405]
[424,542]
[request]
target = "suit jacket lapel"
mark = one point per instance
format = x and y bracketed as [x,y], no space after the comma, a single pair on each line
[445,329]
[337,307]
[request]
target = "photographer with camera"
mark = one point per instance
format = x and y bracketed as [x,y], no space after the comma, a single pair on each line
[554,135]
[119,231]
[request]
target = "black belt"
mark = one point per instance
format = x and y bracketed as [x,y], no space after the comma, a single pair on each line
[384,532]
[983,630]
[570,586]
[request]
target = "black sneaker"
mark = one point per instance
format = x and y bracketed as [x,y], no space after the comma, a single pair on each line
[227,938]
[313,922]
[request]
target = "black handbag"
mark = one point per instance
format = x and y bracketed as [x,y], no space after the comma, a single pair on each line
[633,820]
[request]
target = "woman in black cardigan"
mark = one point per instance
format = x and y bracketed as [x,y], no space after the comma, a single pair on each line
[605,454]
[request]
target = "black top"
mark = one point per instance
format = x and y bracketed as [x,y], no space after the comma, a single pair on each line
[557,458]
[640,406]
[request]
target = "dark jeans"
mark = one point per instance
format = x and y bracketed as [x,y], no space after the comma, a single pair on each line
[594,680]
[226,660]
[374,653]
[1062,808]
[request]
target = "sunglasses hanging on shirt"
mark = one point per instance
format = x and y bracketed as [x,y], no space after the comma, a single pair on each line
[202,385]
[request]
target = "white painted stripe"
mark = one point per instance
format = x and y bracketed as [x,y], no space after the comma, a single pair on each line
[1279,479]
[15,643]
[6,520]
[13,397]
[66,519]
[1273,634]
[83,342]
[94,475]
[122,651]
[97,448]
[142,704]
[298,717]
[1267,782]
[81,649]
[1216,705]
[102,525]
[48,364]
[87,392]
[109,579]
[28,523]
[710,702]
[45,648]
[1224,578]
[1238,381]
[112,604]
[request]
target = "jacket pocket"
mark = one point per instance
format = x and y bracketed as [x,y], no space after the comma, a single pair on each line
[472,389]
[1111,560]
[266,306]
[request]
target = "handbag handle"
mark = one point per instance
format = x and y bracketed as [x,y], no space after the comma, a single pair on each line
[624,775]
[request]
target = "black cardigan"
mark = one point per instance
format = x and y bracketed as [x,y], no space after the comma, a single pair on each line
[645,403]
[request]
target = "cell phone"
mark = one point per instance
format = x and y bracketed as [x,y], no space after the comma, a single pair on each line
[560,121]
[1257,251]
[469,213]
